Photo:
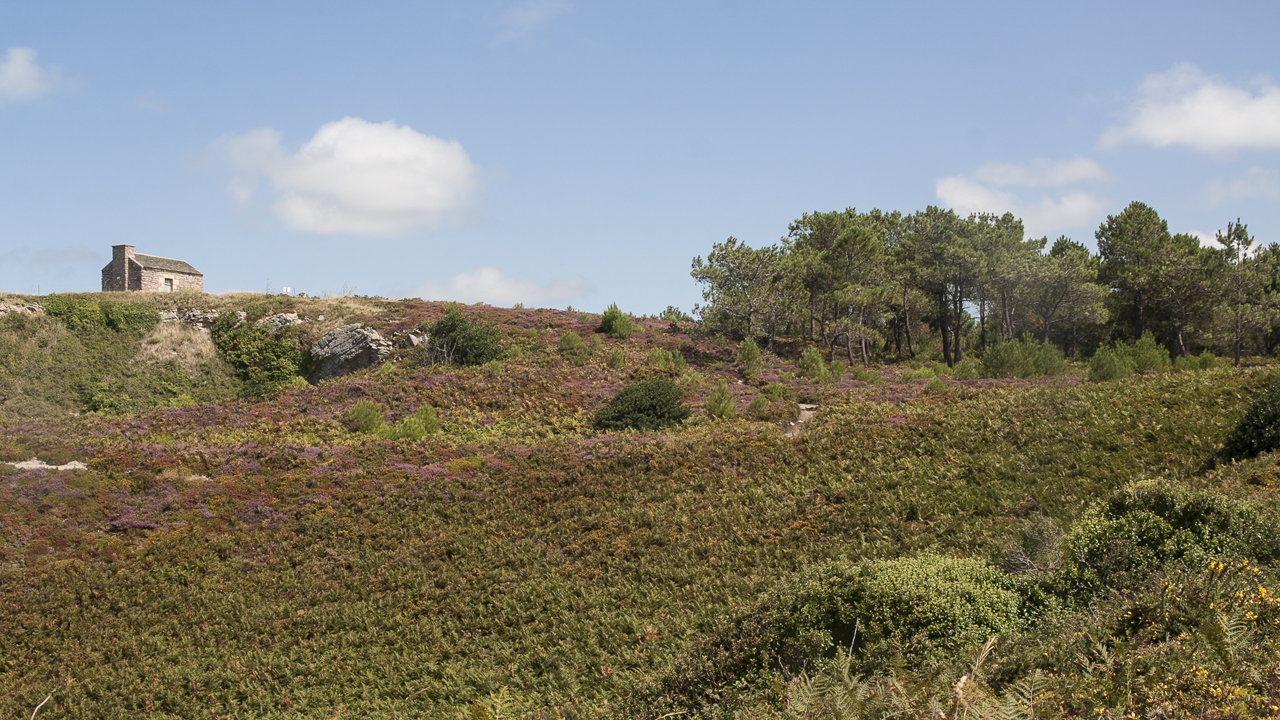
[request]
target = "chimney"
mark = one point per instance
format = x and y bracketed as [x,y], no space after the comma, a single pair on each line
[120,255]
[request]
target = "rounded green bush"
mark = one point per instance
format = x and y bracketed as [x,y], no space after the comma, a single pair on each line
[462,341]
[1107,364]
[719,403]
[1150,523]
[615,323]
[922,610]
[1258,429]
[646,405]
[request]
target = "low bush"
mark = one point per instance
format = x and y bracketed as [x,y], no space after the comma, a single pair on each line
[572,347]
[365,417]
[659,358]
[262,360]
[1107,364]
[1151,523]
[1023,358]
[967,369]
[719,403]
[1145,355]
[646,405]
[615,323]
[1258,429]
[615,359]
[811,363]
[915,609]
[935,386]
[1207,360]
[458,340]
[80,312]
[750,360]
[369,418]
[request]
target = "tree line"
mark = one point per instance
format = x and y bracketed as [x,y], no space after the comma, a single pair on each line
[884,284]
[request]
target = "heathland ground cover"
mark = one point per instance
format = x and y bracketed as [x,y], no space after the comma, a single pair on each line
[267,554]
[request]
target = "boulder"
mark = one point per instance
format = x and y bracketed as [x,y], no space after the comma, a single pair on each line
[197,319]
[28,309]
[347,349]
[275,323]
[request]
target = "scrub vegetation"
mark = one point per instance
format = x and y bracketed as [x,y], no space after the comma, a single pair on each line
[538,513]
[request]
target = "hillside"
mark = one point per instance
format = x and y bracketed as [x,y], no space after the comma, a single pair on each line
[227,552]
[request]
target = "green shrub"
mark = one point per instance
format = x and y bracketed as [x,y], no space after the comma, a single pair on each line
[836,370]
[866,376]
[720,402]
[779,392]
[1107,364]
[1207,360]
[1153,522]
[750,361]
[415,427]
[935,386]
[915,609]
[758,408]
[616,359]
[1146,355]
[75,311]
[646,405]
[1258,429]
[365,417]
[1026,357]
[811,363]
[660,358]
[261,360]
[572,347]
[1186,364]
[615,323]
[458,340]
[128,316]
[967,369]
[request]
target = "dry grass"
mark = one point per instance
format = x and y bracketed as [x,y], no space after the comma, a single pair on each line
[176,341]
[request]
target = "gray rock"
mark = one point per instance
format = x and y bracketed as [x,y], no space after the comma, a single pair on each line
[411,341]
[28,309]
[347,349]
[275,323]
[197,319]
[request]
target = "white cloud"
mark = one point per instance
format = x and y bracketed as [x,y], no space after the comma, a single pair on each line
[530,15]
[488,284]
[1255,182]
[1040,173]
[988,189]
[21,79]
[354,177]
[1183,106]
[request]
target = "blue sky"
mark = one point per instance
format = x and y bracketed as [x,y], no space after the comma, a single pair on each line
[563,152]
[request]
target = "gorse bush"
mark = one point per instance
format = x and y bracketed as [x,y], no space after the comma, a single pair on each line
[458,340]
[1258,429]
[720,402]
[646,405]
[615,323]
[80,312]
[1023,358]
[917,609]
[1151,523]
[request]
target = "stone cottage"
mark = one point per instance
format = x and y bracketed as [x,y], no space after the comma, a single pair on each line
[134,271]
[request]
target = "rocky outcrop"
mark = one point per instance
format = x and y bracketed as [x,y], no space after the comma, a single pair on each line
[28,309]
[347,349]
[198,319]
[279,321]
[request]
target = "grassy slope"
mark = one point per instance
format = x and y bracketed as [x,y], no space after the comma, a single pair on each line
[255,559]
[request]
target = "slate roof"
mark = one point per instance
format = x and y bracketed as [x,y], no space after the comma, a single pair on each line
[156,262]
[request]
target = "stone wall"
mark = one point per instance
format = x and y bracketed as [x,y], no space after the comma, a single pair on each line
[154,281]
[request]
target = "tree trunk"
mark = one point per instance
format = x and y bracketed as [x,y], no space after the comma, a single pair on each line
[944,313]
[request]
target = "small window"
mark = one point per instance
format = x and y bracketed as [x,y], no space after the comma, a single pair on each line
[168,284]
